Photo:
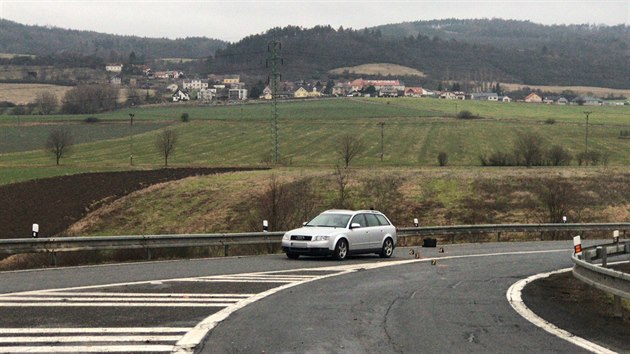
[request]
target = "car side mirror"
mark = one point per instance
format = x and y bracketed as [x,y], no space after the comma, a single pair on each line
[355,225]
[304,223]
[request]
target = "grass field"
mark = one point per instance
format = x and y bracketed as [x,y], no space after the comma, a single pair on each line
[415,131]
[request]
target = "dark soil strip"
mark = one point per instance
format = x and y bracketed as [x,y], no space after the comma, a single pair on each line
[58,202]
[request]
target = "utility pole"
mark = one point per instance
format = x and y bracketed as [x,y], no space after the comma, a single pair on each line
[382,124]
[273,48]
[131,115]
[588,113]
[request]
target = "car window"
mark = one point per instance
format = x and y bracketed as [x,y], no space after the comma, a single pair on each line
[329,220]
[382,220]
[359,219]
[371,220]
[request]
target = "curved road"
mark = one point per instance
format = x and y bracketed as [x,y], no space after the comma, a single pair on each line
[362,305]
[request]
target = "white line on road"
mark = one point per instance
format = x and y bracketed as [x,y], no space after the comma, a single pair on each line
[514,297]
[112,294]
[90,349]
[78,339]
[113,299]
[111,304]
[95,330]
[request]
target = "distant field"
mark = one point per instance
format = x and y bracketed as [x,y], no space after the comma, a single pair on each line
[383,69]
[26,93]
[582,90]
[415,131]
[12,55]
[177,60]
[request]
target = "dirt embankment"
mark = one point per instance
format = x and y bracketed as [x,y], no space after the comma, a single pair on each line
[56,203]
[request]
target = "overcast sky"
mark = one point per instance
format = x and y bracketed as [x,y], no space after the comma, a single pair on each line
[233,20]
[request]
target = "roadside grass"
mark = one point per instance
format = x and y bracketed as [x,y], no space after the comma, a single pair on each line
[437,196]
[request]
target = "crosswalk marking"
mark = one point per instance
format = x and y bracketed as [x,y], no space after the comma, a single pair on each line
[131,339]
[90,349]
[72,339]
[107,330]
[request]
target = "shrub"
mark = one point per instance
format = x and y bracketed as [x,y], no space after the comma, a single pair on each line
[497,158]
[185,117]
[442,158]
[550,121]
[558,156]
[465,115]
[91,119]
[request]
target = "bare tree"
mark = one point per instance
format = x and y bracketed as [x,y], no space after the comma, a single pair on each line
[342,178]
[46,102]
[349,147]
[165,144]
[59,142]
[90,99]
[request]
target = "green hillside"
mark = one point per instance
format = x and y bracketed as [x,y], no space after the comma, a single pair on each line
[415,131]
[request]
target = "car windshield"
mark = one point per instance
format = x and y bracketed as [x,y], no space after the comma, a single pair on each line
[330,220]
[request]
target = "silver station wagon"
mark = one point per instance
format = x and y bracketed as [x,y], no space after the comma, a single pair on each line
[340,233]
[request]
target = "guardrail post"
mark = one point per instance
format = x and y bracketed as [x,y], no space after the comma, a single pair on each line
[617,309]
[604,256]
[452,239]
[147,253]
[498,236]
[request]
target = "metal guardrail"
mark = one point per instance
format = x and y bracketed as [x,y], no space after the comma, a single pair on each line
[148,242]
[599,276]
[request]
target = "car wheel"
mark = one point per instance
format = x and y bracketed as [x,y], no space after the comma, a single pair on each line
[388,248]
[293,255]
[341,250]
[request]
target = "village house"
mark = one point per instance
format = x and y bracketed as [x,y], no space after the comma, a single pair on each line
[587,101]
[206,94]
[533,98]
[115,80]
[267,94]
[195,84]
[180,96]
[447,95]
[484,96]
[115,68]
[555,100]
[416,92]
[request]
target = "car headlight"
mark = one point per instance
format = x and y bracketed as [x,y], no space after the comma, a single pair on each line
[321,238]
[285,237]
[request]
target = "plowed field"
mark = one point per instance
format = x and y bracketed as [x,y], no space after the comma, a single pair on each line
[56,203]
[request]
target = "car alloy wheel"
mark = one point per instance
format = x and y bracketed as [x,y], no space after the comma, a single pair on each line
[388,248]
[341,250]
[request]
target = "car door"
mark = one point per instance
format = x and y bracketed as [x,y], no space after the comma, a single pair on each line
[358,238]
[375,231]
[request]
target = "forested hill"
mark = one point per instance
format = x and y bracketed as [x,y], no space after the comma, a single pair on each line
[477,50]
[16,38]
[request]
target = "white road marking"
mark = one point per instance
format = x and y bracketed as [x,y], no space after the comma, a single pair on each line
[112,294]
[114,299]
[111,304]
[514,298]
[90,349]
[73,339]
[105,330]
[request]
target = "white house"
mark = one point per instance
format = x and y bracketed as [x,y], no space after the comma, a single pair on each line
[115,68]
[195,84]
[180,96]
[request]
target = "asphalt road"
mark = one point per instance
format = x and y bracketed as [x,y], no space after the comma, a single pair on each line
[362,305]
